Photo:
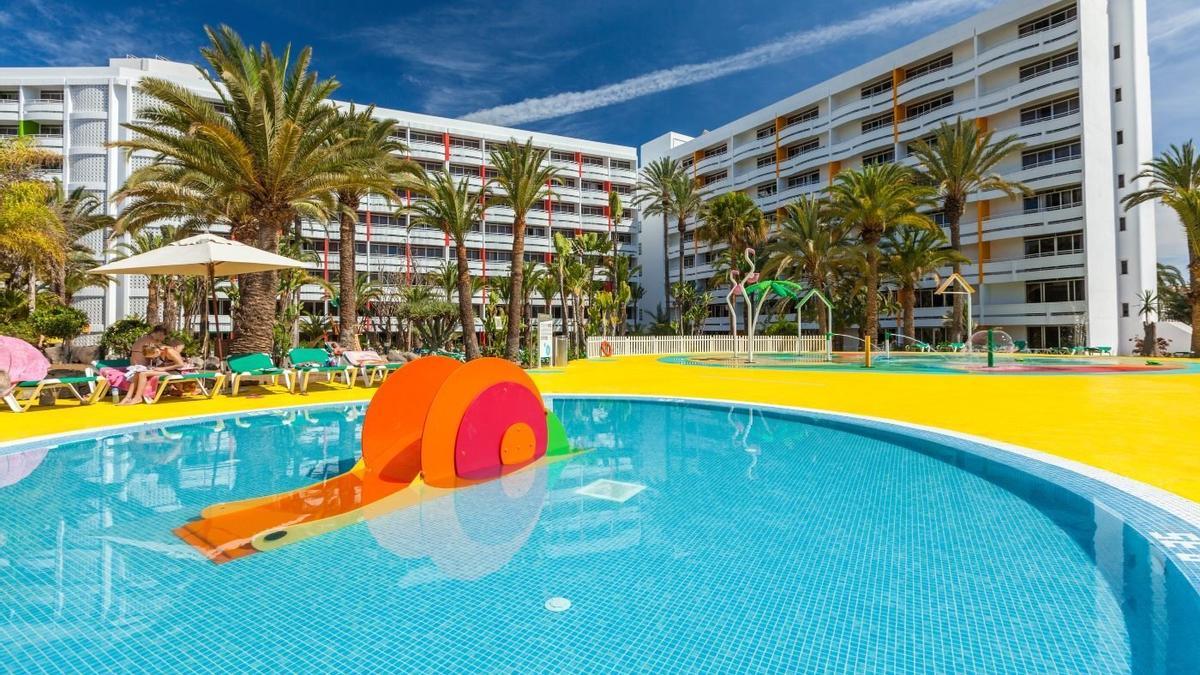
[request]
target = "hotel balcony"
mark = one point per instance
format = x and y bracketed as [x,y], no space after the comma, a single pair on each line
[44,109]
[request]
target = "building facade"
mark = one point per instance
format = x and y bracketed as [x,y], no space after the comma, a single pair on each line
[78,111]
[1070,79]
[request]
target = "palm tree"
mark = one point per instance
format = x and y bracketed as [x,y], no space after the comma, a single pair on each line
[873,200]
[687,202]
[1175,181]
[577,278]
[562,251]
[31,236]
[732,219]
[616,212]
[909,255]
[547,286]
[445,277]
[655,197]
[147,240]
[453,208]
[1148,309]
[810,246]
[271,154]
[79,213]
[525,179]
[375,170]
[961,160]
[1173,292]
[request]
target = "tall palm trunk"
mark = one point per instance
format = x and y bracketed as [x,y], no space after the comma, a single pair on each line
[153,306]
[347,273]
[255,314]
[954,211]
[562,295]
[908,303]
[32,289]
[870,326]
[171,303]
[1194,296]
[466,311]
[682,228]
[666,264]
[516,287]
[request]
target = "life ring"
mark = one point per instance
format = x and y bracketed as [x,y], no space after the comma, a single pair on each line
[605,349]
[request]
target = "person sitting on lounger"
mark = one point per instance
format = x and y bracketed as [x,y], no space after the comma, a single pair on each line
[154,337]
[138,376]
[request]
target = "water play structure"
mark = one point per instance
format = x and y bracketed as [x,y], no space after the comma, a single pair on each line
[739,288]
[435,426]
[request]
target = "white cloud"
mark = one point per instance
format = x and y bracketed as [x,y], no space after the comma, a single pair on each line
[915,13]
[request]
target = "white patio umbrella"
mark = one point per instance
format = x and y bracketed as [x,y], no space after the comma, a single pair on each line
[204,255]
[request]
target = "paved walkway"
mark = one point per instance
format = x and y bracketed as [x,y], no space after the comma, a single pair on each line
[1146,427]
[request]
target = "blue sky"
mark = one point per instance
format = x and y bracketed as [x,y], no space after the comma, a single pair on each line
[666,65]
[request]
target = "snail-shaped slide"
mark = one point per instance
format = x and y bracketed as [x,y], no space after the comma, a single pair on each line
[434,426]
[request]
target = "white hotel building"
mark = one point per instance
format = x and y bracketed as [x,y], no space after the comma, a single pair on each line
[1070,79]
[78,110]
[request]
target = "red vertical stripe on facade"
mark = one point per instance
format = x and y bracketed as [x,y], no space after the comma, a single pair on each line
[407,244]
[446,144]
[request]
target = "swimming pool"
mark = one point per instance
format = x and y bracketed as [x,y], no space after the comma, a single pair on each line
[940,364]
[760,539]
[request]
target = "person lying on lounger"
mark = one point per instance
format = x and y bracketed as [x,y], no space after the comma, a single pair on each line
[139,375]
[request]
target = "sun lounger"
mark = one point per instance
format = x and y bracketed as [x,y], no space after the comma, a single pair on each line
[308,361]
[370,365]
[209,382]
[258,366]
[22,396]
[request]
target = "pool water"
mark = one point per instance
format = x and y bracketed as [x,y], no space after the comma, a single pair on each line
[939,363]
[726,539]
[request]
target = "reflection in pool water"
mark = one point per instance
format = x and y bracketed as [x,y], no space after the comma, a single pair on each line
[762,541]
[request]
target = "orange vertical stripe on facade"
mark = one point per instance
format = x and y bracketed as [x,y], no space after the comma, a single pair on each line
[897,115]
[984,209]
[446,144]
[834,169]
[778,151]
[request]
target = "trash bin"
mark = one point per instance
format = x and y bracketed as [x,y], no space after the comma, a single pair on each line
[562,348]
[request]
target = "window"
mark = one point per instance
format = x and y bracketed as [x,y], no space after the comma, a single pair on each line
[931,66]
[911,148]
[1049,65]
[8,130]
[929,105]
[535,231]
[804,179]
[465,143]
[1047,21]
[1120,180]
[878,122]
[50,95]
[802,116]
[566,181]
[622,189]
[1054,244]
[927,298]
[1120,138]
[1054,290]
[1050,337]
[803,147]
[462,170]
[765,132]
[764,160]
[877,88]
[882,157]
[1063,152]
[590,210]
[718,150]
[1117,95]
[1124,267]
[1054,200]
[593,186]
[1048,111]
[51,130]
[220,108]
[713,178]
[381,219]
[939,218]
[1121,223]
[425,137]
[621,164]
[689,261]
[1116,52]
[687,162]
[560,156]
[1125,310]
[766,189]
[588,160]
[564,207]
[8,95]
[502,228]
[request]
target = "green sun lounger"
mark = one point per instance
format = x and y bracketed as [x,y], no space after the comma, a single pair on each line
[309,361]
[22,396]
[257,366]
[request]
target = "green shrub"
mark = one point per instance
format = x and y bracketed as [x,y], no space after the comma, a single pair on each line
[118,338]
[57,321]
[22,329]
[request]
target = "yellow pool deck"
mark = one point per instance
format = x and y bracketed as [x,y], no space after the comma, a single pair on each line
[1146,427]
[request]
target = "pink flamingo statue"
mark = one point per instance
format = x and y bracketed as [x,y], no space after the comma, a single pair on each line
[739,288]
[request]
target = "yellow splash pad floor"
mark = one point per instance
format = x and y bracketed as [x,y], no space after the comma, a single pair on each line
[1146,427]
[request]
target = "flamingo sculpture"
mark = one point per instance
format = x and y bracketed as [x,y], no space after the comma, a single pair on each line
[739,288]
